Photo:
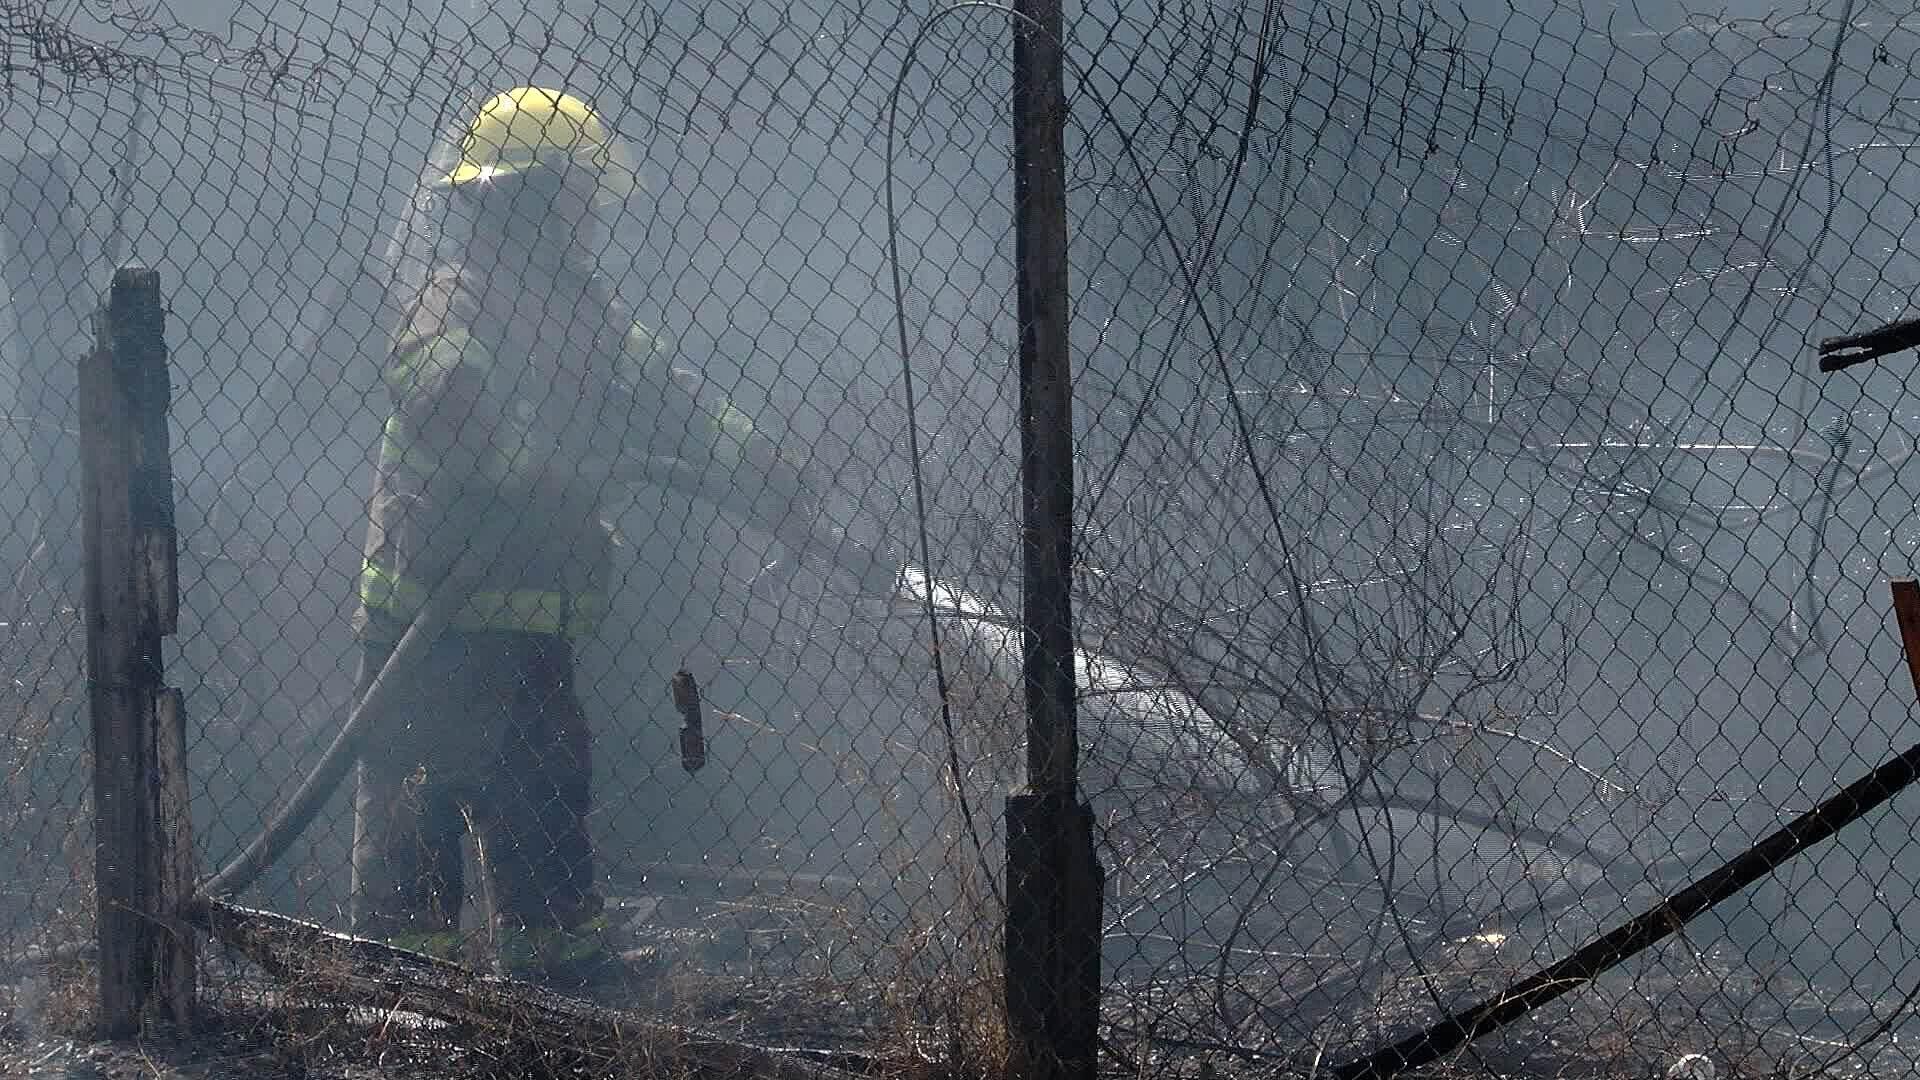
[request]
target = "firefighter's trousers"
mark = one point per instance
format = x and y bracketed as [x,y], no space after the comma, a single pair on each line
[486,732]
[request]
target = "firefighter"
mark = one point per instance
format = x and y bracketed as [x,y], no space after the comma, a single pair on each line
[522,393]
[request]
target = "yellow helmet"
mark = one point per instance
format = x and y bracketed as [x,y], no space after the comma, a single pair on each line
[533,125]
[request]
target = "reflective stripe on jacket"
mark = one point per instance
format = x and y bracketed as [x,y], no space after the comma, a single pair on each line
[524,611]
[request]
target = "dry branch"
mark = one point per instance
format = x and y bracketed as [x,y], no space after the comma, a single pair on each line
[342,969]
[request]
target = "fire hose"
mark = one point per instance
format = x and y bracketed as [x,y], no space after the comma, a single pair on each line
[867,566]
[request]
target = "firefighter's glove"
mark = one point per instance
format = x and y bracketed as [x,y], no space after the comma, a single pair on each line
[801,524]
[878,575]
[787,497]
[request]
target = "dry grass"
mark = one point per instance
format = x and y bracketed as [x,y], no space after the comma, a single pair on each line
[922,1002]
[902,980]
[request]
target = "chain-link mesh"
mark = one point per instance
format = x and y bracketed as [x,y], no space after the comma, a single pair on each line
[1469,549]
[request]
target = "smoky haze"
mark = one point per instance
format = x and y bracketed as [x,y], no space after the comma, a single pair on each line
[1468,542]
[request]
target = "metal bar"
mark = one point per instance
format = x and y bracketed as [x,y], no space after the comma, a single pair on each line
[1053,879]
[1046,403]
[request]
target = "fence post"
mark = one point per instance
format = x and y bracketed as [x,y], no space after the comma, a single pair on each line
[143,846]
[1054,882]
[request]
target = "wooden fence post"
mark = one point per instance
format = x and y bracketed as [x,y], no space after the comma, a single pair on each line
[143,845]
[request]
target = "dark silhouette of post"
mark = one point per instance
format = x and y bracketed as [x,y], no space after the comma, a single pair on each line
[143,845]
[1054,882]
[44,269]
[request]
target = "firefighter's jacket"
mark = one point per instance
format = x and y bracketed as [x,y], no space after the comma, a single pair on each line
[516,406]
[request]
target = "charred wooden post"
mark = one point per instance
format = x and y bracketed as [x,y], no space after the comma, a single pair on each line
[44,269]
[1054,881]
[143,847]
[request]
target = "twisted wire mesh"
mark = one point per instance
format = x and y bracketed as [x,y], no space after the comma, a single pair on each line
[1468,551]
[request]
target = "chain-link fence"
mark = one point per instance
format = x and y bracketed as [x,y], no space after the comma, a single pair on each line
[1469,549]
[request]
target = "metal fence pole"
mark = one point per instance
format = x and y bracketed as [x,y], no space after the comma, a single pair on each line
[1053,878]
[143,847]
